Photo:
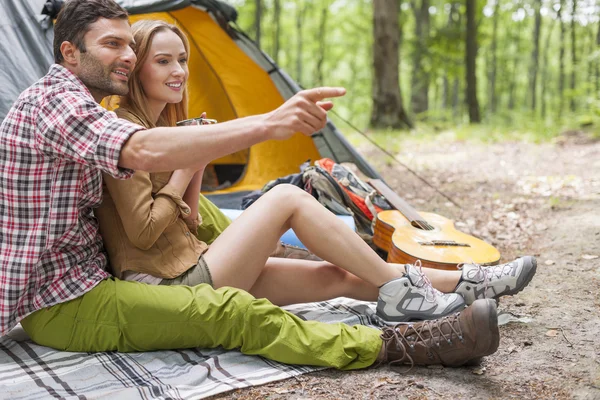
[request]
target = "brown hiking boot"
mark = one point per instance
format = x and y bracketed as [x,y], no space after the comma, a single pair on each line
[451,341]
[288,251]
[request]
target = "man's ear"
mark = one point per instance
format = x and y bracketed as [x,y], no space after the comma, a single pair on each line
[70,53]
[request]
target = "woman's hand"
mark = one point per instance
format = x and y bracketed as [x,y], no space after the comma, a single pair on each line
[191,197]
[180,179]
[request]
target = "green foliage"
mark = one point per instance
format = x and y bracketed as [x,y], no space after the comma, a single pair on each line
[346,49]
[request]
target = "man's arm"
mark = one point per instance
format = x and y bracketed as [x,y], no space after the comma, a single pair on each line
[171,148]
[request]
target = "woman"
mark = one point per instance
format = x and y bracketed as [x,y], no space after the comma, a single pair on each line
[148,224]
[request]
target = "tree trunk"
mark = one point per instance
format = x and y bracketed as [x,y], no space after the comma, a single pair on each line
[598,61]
[445,92]
[456,97]
[471,62]
[545,79]
[419,95]
[516,37]
[591,45]
[322,42]
[300,11]
[435,93]
[352,85]
[277,31]
[451,96]
[561,59]
[388,110]
[494,63]
[257,17]
[446,95]
[573,56]
[533,70]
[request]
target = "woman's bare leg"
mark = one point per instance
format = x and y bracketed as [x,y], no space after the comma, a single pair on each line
[443,280]
[285,281]
[239,255]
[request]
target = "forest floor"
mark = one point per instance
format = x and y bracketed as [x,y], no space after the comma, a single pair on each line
[540,199]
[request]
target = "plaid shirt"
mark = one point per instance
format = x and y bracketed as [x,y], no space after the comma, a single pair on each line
[54,144]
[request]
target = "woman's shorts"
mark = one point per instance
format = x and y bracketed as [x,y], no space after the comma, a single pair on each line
[196,275]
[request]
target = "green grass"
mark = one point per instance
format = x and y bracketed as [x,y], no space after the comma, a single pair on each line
[521,127]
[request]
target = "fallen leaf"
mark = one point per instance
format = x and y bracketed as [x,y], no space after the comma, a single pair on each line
[479,371]
[589,257]
[506,317]
[552,333]
[549,262]
[379,385]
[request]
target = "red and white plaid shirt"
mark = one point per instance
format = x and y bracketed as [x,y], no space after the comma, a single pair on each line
[54,144]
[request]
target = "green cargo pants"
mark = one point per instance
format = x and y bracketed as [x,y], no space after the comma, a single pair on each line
[214,221]
[131,316]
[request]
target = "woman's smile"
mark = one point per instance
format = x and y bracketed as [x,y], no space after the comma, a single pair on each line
[164,72]
[177,86]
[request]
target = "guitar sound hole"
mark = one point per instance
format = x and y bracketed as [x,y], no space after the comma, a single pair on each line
[422,225]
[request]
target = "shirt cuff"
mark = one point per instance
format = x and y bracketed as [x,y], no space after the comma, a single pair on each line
[168,191]
[193,223]
[110,144]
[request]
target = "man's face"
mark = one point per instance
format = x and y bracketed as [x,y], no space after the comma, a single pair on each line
[106,64]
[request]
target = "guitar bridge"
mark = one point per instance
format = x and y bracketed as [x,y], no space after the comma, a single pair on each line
[444,243]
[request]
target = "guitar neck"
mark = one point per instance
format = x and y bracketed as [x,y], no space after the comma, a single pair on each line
[397,202]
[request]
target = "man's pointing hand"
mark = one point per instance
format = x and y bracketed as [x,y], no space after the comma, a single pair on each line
[305,112]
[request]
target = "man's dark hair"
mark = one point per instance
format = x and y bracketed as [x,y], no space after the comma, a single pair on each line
[75,18]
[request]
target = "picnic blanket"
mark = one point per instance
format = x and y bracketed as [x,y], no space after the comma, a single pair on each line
[29,371]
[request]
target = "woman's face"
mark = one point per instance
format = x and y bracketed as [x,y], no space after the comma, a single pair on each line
[165,71]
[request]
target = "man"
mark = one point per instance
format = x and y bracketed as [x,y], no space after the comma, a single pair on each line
[55,142]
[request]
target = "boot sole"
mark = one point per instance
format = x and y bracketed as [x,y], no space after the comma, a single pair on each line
[524,284]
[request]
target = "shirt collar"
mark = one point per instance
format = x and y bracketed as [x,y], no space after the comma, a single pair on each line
[60,72]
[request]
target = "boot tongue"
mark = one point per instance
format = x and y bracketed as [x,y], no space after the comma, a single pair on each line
[414,275]
[471,273]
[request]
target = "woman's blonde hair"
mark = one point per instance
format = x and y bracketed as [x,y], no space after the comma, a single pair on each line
[134,101]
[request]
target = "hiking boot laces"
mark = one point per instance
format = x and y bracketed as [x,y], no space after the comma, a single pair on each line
[412,336]
[423,282]
[487,274]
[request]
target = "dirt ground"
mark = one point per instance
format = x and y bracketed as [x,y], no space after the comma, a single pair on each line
[540,199]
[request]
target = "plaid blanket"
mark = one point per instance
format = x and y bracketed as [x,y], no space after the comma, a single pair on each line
[29,371]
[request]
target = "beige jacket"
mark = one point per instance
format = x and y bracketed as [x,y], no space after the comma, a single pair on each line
[141,225]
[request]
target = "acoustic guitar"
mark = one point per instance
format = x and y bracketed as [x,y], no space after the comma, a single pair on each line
[407,235]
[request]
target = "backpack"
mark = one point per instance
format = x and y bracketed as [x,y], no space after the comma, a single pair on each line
[343,193]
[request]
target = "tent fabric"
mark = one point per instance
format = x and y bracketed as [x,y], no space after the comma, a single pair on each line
[230,77]
[223,81]
[26,48]
[29,371]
